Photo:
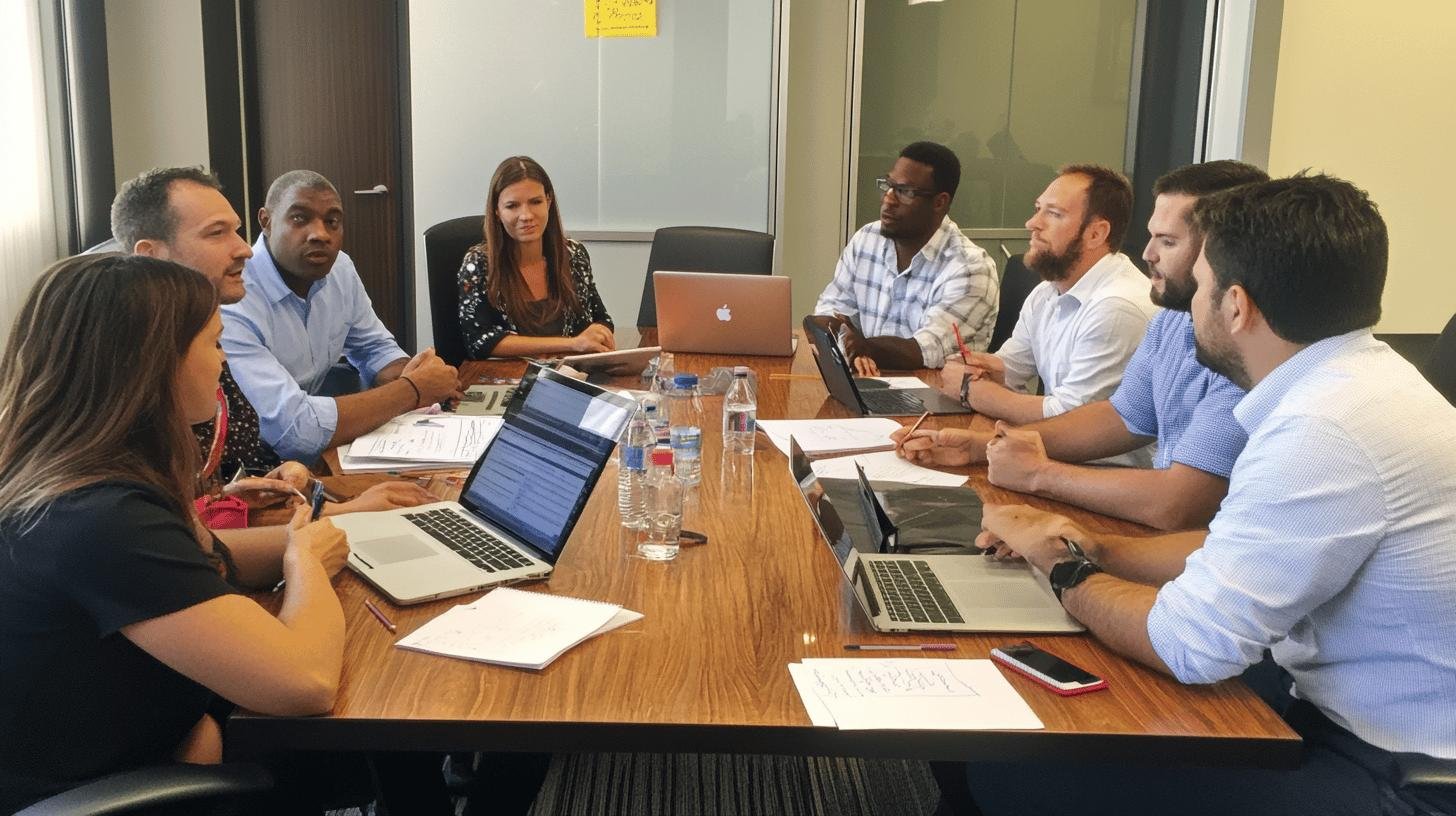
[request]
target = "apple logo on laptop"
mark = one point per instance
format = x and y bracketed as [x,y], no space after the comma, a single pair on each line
[724,313]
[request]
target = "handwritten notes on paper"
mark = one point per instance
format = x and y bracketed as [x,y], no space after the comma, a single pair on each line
[909,693]
[417,440]
[827,437]
[884,466]
[621,18]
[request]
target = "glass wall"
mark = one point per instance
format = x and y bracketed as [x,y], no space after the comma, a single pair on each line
[1015,87]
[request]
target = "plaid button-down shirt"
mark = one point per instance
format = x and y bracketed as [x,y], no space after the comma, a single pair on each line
[950,281]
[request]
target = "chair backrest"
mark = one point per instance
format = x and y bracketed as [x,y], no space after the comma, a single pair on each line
[1016,284]
[703,249]
[445,246]
[1440,368]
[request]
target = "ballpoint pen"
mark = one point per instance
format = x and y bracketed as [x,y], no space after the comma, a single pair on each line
[379,616]
[908,647]
[913,429]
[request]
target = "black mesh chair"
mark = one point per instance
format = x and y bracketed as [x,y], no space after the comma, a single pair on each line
[445,246]
[703,249]
[197,789]
[1016,283]
[1440,368]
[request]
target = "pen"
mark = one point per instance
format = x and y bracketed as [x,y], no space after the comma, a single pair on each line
[425,423]
[379,616]
[913,429]
[959,342]
[908,647]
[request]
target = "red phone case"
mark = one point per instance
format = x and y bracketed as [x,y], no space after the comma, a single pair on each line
[1016,667]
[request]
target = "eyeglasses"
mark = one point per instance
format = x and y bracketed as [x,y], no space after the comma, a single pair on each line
[904,192]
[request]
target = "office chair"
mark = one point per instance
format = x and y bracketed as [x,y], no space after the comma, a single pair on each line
[1440,367]
[1016,283]
[199,789]
[703,249]
[445,246]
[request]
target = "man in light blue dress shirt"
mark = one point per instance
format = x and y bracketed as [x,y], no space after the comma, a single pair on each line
[305,306]
[1335,548]
[1165,395]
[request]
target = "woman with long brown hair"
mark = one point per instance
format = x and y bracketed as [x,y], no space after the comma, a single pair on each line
[527,289]
[120,615]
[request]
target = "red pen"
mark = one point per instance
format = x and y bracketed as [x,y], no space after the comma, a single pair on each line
[379,616]
[959,342]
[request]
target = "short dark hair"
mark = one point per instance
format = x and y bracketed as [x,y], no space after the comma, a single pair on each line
[293,180]
[1204,178]
[1109,197]
[1310,250]
[142,210]
[945,167]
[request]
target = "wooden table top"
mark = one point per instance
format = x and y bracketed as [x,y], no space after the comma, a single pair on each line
[704,670]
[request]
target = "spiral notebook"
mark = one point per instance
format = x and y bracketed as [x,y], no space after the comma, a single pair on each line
[511,627]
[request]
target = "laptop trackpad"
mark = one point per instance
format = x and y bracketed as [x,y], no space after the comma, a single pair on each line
[394,549]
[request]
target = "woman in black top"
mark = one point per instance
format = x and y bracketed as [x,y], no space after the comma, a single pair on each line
[527,290]
[119,617]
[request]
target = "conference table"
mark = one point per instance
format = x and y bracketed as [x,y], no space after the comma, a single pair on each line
[705,669]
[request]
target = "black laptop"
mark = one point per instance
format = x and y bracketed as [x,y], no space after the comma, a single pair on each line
[838,377]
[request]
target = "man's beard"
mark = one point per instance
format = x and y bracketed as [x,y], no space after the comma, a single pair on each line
[1176,296]
[1220,358]
[1053,267]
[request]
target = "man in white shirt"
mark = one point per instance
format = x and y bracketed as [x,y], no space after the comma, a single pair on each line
[1081,325]
[908,282]
[1334,549]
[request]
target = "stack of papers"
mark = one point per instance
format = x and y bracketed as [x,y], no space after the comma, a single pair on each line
[909,694]
[831,437]
[511,627]
[420,441]
[884,466]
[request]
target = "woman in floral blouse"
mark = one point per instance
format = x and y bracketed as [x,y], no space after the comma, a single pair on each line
[527,290]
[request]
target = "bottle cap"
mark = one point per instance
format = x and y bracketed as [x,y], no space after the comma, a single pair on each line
[662,456]
[685,380]
[740,371]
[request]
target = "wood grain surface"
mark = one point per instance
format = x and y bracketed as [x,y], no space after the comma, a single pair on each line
[705,669]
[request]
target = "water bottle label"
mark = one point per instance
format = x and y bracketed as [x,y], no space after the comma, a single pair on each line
[687,439]
[741,423]
[634,458]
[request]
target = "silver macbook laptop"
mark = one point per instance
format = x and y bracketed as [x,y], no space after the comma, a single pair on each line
[724,314]
[908,592]
[870,397]
[517,508]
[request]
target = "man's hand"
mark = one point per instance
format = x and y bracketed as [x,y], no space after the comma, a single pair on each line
[985,366]
[383,496]
[950,447]
[437,380]
[319,540]
[856,348]
[951,376]
[1016,458]
[593,339]
[1019,531]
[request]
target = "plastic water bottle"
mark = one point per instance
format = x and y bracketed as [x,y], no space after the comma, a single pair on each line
[740,414]
[636,447]
[664,509]
[660,389]
[686,431]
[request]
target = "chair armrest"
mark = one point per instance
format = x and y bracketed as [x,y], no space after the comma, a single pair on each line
[154,786]
[1421,771]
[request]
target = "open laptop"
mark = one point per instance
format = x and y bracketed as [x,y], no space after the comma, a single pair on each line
[906,592]
[717,313]
[838,376]
[517,508]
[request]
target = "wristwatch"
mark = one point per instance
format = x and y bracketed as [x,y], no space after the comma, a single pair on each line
[1072,571]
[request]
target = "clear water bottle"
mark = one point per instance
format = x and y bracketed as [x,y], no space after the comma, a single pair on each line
[636,448]
[740,414]
[686,431]
[664,509]
[660,389]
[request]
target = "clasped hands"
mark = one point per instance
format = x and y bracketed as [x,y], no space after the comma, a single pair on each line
[1015,458]
[288,483]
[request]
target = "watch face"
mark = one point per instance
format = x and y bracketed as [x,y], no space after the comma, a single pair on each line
[1074,548]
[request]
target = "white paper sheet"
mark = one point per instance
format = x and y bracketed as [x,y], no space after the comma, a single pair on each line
[430,438]
[915,694]
[826,436]
[819,713]
[904,383]
[885,466]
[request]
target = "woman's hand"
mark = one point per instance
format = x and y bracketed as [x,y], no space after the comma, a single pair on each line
[286,484]
[593,339]
[320,541]
[383,496]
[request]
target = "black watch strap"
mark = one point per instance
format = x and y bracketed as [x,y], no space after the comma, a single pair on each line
[1073,571]
[966,389]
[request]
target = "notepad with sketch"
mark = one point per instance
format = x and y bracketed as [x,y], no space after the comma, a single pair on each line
[512,627]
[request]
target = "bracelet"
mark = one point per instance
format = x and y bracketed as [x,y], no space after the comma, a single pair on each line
[418,395]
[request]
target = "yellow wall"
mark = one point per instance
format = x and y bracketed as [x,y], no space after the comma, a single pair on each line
[1364,92]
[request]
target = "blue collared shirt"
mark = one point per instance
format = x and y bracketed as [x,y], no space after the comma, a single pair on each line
[949,282]
[280,346]
[1167,393]
[1335,548]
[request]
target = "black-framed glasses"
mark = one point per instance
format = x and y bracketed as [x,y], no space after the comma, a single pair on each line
[904,192]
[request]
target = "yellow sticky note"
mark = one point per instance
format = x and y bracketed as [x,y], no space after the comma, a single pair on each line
[621,18]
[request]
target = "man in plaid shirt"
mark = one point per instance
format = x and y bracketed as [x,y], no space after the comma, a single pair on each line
[908,282]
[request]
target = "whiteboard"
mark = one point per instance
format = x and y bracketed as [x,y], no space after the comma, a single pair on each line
[636,133]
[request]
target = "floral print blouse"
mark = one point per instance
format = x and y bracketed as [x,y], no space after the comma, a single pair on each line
[483,324]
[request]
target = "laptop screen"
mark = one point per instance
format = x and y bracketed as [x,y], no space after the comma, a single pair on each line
[536,476]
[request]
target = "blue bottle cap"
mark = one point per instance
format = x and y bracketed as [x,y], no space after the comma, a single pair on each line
[685,380]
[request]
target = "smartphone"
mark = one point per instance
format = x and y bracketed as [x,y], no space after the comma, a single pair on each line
[1047,669]
[316,497]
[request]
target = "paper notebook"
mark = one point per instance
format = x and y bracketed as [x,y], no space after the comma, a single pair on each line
[830,437]
[512,627]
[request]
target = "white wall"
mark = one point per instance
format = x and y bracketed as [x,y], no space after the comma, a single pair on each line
[158,99]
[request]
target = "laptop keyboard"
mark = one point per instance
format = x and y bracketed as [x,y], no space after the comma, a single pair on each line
[891,401]
[912,593]
[472,543]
